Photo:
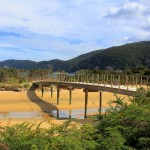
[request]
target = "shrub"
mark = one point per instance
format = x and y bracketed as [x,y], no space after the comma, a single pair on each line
[67,136]
[26,85]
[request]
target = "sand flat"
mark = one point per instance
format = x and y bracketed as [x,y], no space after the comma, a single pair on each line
[29,101]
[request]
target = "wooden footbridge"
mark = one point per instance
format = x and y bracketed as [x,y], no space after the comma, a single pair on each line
[119,84]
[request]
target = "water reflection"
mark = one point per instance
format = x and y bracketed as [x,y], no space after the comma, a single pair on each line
[76,113]
[59,114]
[33,114]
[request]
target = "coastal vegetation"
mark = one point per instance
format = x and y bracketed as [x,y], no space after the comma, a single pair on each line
[124,126]
[12,78]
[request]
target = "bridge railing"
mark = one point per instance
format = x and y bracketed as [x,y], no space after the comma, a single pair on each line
[113,80]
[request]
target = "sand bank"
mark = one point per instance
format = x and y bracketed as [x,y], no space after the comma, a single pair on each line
[29,101]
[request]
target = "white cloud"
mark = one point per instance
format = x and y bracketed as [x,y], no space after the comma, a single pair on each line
[129,10]
[65,29]
[6,46]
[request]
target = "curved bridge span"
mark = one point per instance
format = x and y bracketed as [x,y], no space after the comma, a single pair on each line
[130,91]
[125,85]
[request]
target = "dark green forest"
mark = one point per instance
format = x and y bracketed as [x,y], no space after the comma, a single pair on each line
[120,57]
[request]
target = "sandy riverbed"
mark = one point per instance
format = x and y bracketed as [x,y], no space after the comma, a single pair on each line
[29,101]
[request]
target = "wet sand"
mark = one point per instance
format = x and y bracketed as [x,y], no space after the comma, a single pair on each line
[29,101]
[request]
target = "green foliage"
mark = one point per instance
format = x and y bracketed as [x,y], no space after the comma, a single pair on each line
[9,87]
[144,143]
[130,124]
[142,96]
[26,85]
[112,139]
[11,78]
[67,137]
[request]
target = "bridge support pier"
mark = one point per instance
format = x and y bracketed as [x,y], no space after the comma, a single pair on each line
[86,102]
[58,94]
[100,103]
[42,91]
[70,96]
[51,91]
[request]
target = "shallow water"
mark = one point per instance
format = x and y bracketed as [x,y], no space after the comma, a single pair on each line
[76,113]
[60,114]
[33,114]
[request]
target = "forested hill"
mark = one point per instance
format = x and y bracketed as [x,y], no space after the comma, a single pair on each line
[120,57]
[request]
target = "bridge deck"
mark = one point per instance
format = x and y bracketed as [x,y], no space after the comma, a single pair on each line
[118,89]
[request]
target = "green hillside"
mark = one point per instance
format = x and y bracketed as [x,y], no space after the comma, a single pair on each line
[120,57]
[19,64]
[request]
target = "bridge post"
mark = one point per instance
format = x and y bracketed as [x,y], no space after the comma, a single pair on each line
[58,93]
[107,79]
[127,83]
[42,91]
[74,78]
[111,80]
[70,96]
[64,77]
[147,82]
[87,78]
[51,91]
[93,79]
[78,78]
[141,81]
[119,81]
[136,80]
[98,79]
[104,80]
[100,103]
[71,78]
[86,102]
[133,81]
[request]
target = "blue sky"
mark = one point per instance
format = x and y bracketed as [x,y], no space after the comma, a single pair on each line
[63,29]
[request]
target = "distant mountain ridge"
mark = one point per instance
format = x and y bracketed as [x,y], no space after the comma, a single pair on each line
[119,57]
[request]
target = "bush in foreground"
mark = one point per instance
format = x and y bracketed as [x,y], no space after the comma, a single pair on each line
[67,136]
[127,126]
